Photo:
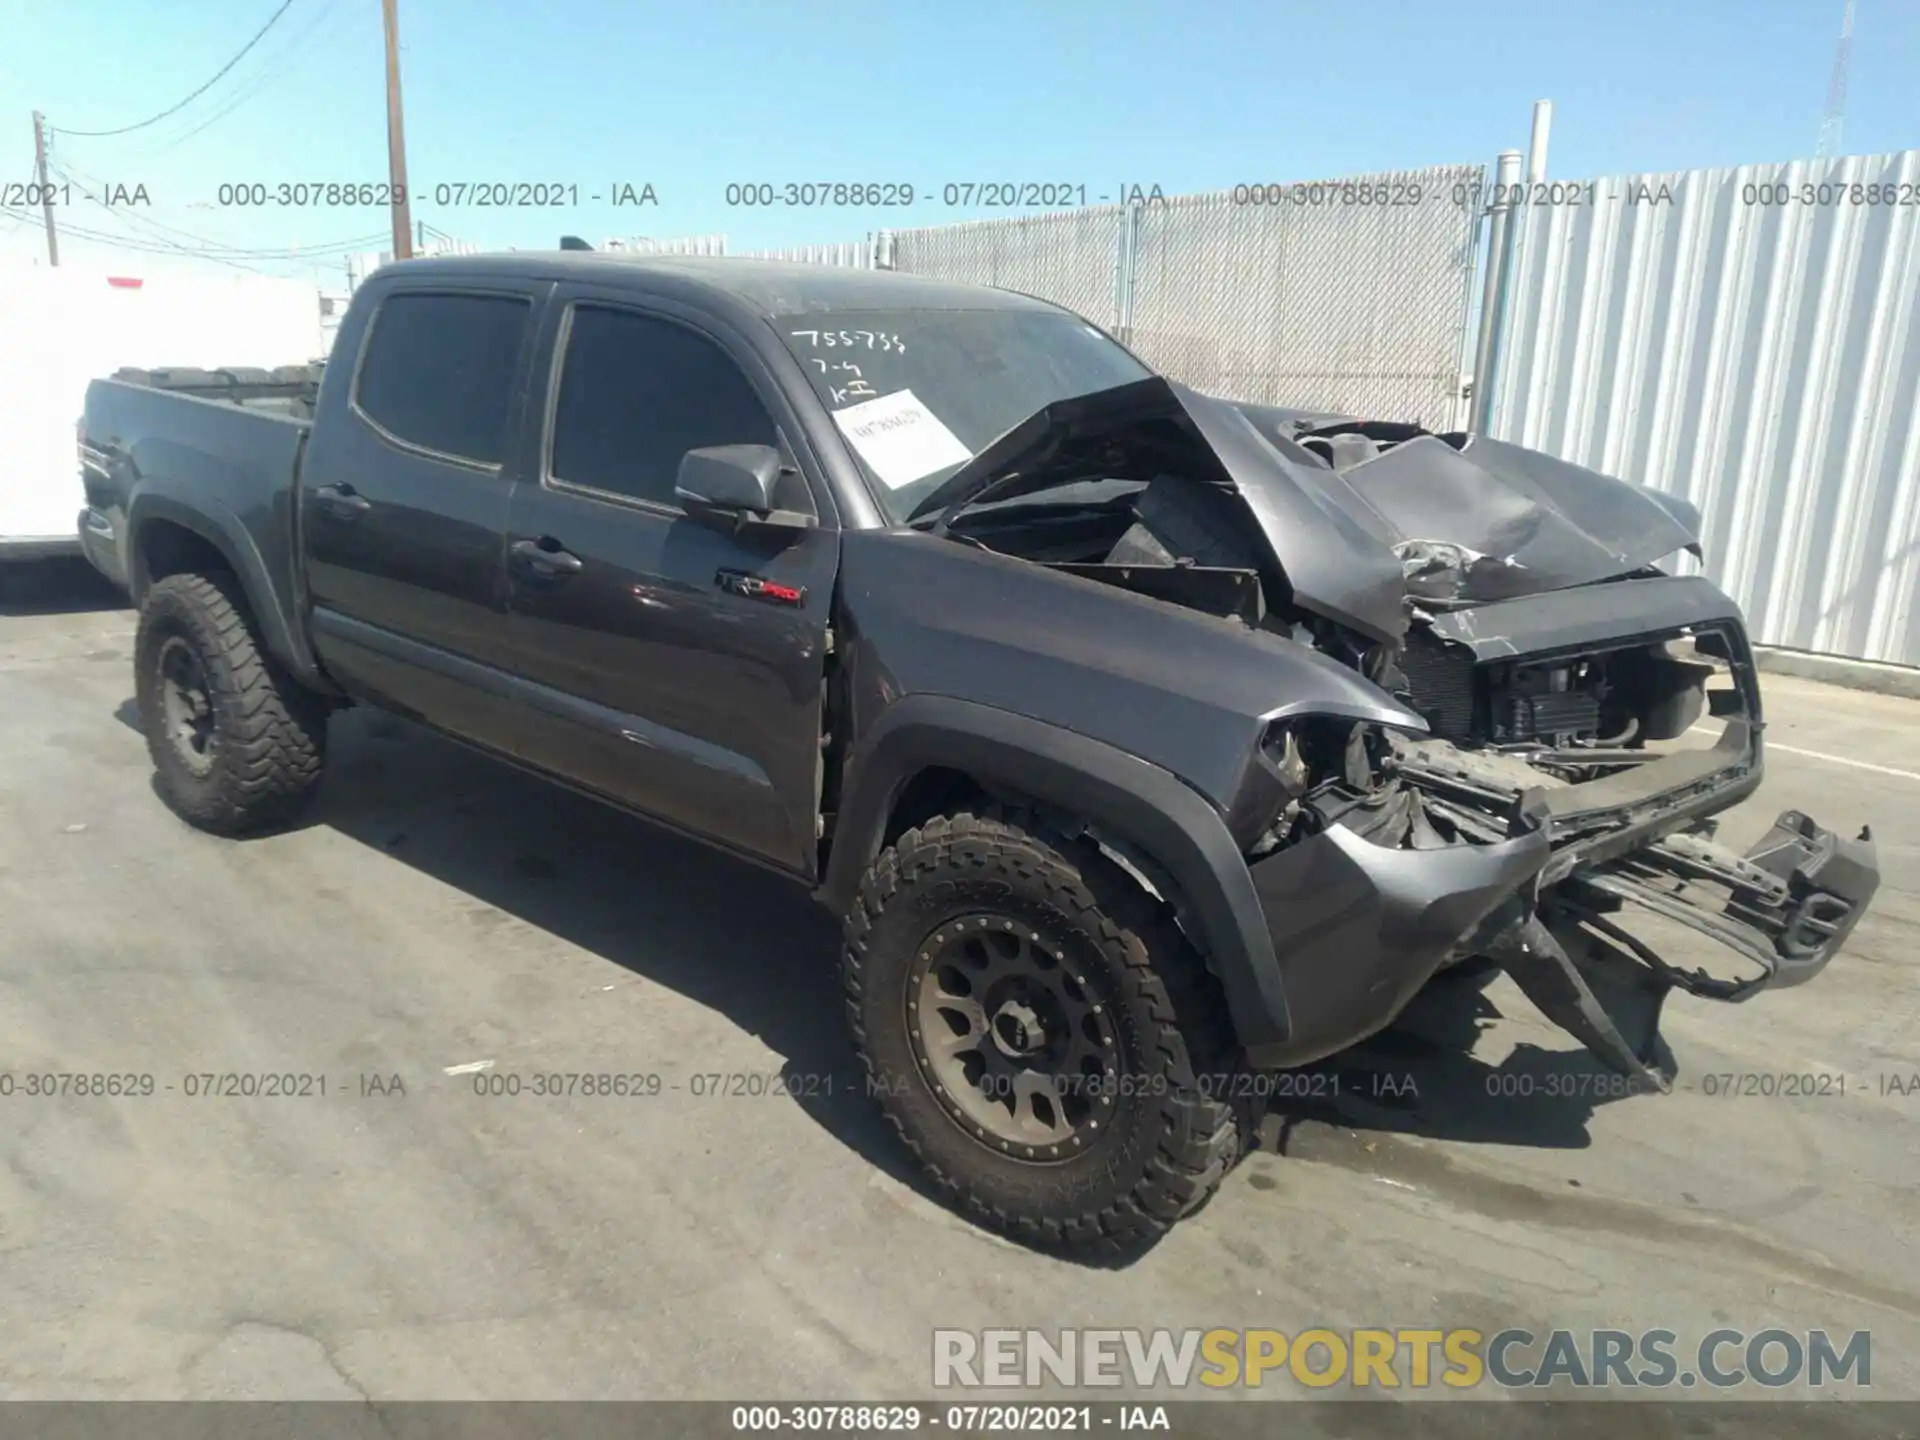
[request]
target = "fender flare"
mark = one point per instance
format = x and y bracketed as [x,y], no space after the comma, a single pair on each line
[1148,807]
[223,530]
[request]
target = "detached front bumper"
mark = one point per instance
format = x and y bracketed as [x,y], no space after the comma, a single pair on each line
[1787,905]
[1358,927]
[1483,851]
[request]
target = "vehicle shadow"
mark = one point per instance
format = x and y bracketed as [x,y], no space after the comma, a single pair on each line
[1426,1075]
[725,934]
[757,949]
[64,586]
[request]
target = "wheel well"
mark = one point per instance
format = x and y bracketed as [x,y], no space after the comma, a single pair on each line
[935,790]
[940,790]
[167,549]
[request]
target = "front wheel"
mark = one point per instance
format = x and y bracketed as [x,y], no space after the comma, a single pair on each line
[237,743]
[1040,1033]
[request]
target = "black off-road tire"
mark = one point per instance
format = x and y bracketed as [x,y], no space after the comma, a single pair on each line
[1171,1135]
[266,733]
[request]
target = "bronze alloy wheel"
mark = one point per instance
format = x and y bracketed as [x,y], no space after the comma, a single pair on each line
[1039,1032]
[1016,1048]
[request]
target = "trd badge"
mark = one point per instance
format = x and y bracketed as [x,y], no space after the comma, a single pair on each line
[741,582]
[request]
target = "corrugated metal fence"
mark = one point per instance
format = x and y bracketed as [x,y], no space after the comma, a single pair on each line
[1746,338]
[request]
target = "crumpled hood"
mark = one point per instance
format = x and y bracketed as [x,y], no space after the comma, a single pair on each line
[1399,513]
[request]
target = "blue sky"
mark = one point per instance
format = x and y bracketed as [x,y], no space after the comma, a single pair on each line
[691,96]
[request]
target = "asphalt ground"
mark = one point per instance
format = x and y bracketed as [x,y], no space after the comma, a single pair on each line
[408,1236]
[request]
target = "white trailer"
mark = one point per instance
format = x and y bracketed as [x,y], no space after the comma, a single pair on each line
[61,328]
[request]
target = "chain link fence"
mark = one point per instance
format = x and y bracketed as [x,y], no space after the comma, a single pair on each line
[674,245]
[1347,295]
[1072,257]
[857,254]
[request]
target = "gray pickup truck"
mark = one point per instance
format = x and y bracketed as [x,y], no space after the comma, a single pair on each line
[1144,741]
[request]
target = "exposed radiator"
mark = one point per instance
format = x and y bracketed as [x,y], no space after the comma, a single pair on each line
[1542,717]
[1441,679]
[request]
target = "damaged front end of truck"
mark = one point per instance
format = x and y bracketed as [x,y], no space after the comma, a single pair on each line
[1587,714]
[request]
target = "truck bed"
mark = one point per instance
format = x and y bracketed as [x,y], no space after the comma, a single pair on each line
[141,446]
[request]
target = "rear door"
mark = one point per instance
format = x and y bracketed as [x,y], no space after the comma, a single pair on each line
[404,505]
[656,682]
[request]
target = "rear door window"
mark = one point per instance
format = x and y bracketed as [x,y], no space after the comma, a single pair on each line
[439,371]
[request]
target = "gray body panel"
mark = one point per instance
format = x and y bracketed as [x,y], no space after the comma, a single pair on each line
[1187,692]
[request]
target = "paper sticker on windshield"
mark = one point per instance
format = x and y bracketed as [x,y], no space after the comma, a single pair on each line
[900,438]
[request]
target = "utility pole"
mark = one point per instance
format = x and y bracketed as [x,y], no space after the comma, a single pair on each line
[46,193]
[1828,145]
[397,138]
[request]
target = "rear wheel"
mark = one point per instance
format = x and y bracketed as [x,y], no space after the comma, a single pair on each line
[1039,1032]
[236,742]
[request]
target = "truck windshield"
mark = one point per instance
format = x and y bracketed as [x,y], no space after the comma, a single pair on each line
[918,393]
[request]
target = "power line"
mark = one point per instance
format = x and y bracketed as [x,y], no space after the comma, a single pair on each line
[133,246]
[174,109]
[130,220]
[80,178]
[159,245]
[276,65]
[211,249]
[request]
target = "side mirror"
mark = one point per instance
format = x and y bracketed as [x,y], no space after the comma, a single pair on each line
[737,483]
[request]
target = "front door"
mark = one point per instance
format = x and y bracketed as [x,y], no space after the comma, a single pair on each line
[662,680]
